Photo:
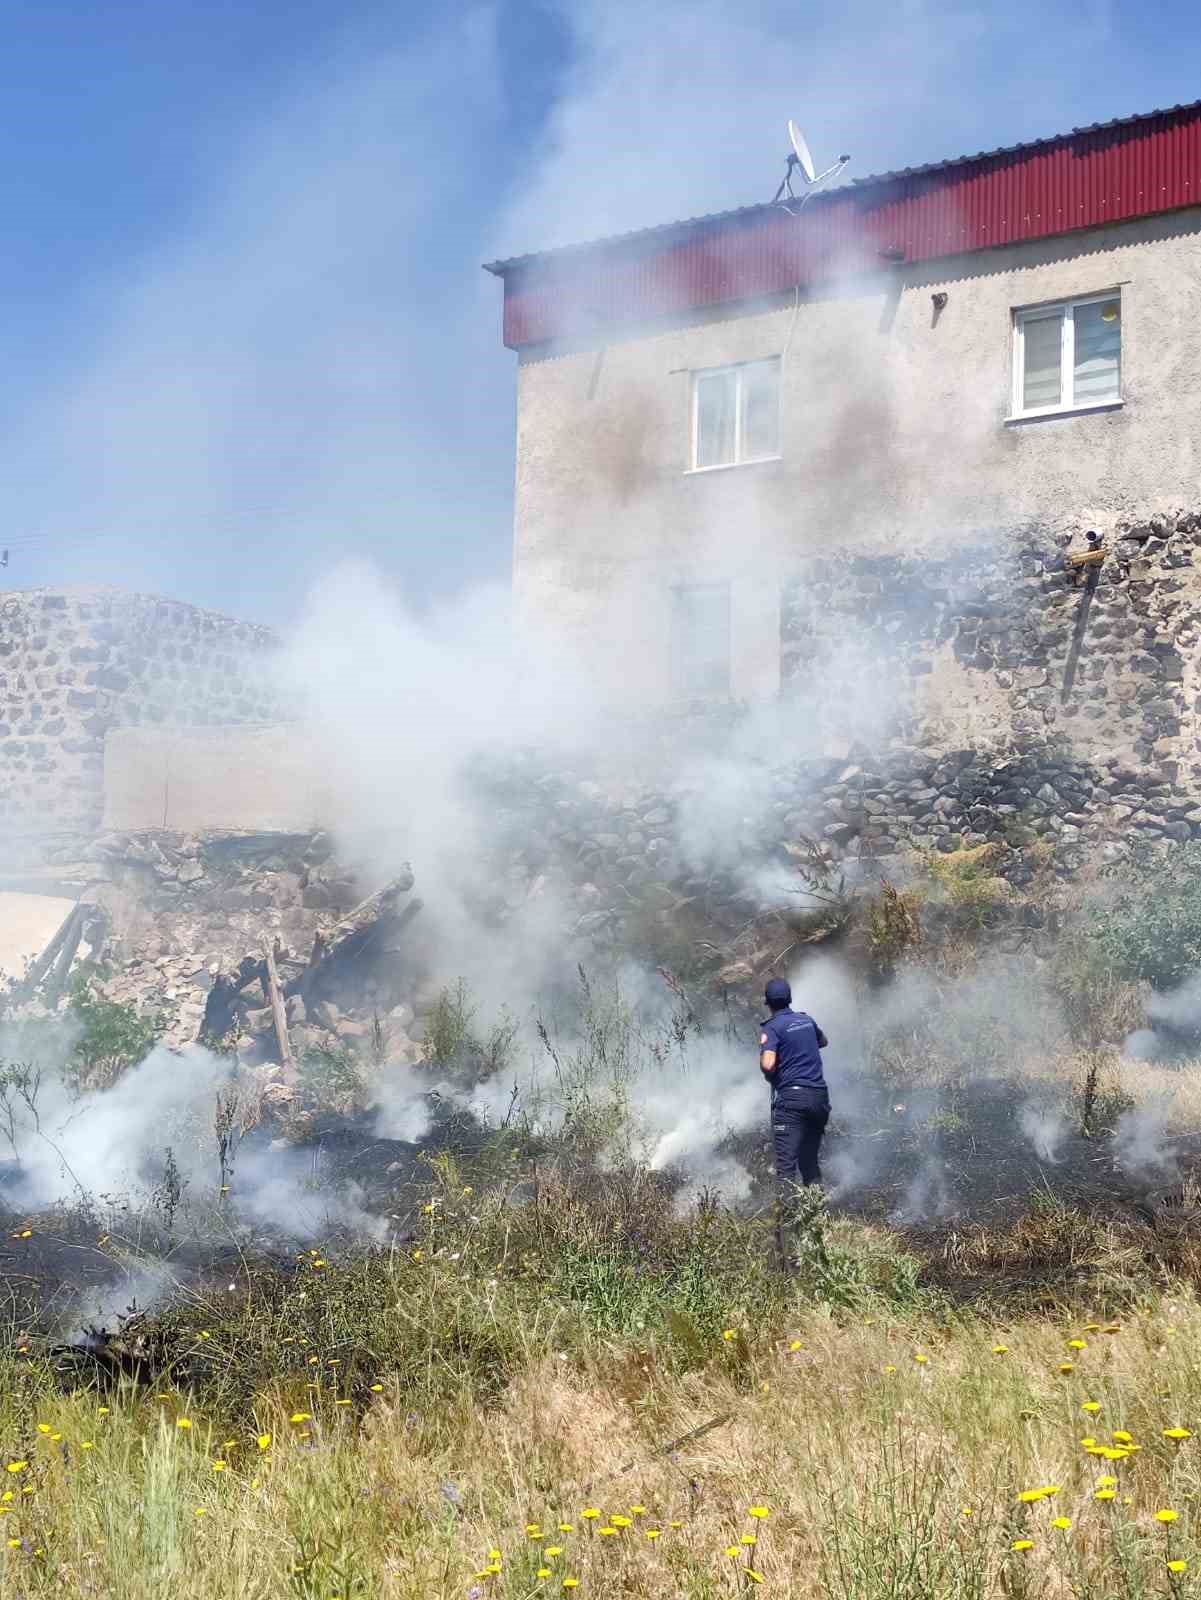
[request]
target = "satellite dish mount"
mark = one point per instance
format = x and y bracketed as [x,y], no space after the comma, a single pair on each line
[799,156]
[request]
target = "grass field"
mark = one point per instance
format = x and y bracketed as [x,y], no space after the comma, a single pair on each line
[504,1408]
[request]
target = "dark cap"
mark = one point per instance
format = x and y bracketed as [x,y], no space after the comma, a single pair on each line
[777,993]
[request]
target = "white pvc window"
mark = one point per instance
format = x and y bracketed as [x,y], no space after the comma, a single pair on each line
[736,414]
[701,640]
[1067,356]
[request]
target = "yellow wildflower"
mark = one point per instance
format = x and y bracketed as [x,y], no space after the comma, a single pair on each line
[1105,1494]
[1090,1405]
[1061,1522]
[553,1550]
[567,1527]
[1067,1366]
[183,1422]
[758,1511]
[1077,1344]
[542,1572]
[533,1529]
[747,1538]
[590,1513]
[1178,1565]
[606,1531]
[1022,1544]
[16,1466]
[1166,1516]
[733,1550]
[1106,1482]
[729,1333]
[263,1440]
[1000,1349]
[1177,1433]
[494,1555]
[43,1427]
[1122,1436]
[301,1416]
[638,1511]
[620,1522]
[890,1368]
[652,1533]
[755,1577]
[965,1511]
[796,1345]
[921,1359]
[377,1388]
[219,1465]
[570,1583]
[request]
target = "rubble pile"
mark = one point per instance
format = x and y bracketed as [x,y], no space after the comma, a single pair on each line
[207,930]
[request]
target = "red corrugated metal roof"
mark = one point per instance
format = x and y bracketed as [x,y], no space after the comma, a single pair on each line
[1114,171]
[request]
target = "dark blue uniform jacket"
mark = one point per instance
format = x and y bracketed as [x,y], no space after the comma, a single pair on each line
[794,1035]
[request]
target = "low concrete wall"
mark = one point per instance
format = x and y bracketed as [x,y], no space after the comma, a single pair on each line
[253,779]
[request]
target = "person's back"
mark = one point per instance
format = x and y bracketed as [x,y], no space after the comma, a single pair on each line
[794,1037]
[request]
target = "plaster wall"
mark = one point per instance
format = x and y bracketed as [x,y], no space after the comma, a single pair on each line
[894,439]
[250,779]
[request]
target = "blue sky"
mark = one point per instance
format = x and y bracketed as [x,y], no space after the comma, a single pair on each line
[245,334]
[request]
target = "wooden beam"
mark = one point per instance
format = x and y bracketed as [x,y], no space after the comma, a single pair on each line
[280,1017]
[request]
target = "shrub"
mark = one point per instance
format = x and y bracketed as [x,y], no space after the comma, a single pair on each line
[1150,927]
[113,1037]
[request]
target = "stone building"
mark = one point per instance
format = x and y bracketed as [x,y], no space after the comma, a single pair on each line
[756,443]
[78,664]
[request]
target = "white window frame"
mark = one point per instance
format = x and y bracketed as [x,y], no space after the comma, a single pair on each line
[737,368]
[1066,404]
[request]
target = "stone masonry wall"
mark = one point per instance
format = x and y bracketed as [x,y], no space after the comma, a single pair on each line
[76,663]
[1106,663]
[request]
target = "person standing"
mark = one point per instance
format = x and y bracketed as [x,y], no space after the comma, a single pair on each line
[790,1047]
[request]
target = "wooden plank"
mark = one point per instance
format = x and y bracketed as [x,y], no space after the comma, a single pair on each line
[280,1017]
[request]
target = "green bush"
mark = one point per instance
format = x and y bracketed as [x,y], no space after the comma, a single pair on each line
[1151,926]
[113,1037]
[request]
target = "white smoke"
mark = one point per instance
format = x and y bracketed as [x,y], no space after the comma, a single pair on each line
[1046,1128]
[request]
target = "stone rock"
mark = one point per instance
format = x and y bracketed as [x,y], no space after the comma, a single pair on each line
[260,1022]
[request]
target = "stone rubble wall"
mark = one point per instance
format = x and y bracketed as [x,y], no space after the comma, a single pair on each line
[77,663]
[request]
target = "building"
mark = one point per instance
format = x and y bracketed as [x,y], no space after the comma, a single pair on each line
[916,363]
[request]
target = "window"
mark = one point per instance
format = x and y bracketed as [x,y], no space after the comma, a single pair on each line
[701,640]
[1068,357]
[736,414]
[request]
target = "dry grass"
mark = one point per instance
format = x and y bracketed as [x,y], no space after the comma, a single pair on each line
[884,1475]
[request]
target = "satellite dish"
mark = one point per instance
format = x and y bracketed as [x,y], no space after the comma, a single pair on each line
[800,157]
[802,150]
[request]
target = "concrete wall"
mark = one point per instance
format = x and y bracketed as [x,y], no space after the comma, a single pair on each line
[894,441]
[253,779]
[77,663]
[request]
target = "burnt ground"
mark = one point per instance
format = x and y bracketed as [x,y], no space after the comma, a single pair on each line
[946,1173]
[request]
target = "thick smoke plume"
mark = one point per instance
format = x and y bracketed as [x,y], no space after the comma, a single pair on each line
[326,411]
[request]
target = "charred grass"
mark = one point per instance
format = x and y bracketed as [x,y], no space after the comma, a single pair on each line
[380,1423]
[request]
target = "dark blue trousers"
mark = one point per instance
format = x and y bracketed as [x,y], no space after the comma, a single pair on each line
[798,1118]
